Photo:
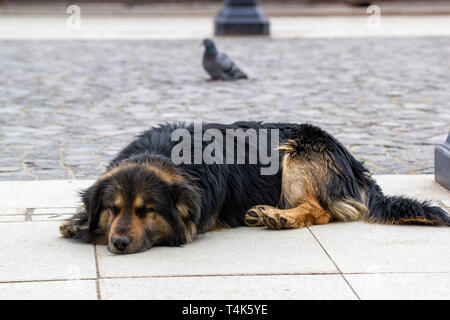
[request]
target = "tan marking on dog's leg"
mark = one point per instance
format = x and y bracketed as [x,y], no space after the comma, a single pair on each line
[304,215]
[348,210]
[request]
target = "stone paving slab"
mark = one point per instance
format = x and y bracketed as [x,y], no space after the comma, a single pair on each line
[401,286]
[50,211]
[12,218]
[237,287]
[49,290]
[67,107]
[422,187]
[338,260]
[259,251]
[10,211]
[41,194]
[36,251]
[357,247]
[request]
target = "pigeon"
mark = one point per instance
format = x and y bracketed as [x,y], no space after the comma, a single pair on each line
[218,65]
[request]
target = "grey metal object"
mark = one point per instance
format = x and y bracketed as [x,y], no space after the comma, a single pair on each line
[241,17]
[442,163]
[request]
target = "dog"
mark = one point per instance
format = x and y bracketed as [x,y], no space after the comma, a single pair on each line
[147,199]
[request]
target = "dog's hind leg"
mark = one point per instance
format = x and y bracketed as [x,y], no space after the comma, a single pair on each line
[321,177]
[321,182]
[306,214]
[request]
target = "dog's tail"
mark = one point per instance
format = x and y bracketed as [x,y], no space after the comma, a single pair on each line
[401,210]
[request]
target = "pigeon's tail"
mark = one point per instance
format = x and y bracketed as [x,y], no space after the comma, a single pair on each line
[239,74]
[236,73]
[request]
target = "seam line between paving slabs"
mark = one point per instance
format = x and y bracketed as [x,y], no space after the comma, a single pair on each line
[46,280]
[219,275]
[335,264]
[97,270]
[29,214]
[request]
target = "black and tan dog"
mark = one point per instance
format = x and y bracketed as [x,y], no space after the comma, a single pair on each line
[144,199]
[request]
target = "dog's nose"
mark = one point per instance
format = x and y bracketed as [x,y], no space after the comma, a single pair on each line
[121,243]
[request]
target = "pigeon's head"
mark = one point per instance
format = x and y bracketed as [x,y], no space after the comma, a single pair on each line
[209,45]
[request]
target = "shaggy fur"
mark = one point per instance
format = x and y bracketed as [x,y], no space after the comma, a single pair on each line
[143,199]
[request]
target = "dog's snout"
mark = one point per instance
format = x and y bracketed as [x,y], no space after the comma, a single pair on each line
[121,243]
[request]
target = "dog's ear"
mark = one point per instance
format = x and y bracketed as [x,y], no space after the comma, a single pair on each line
[93,203]
[188,203]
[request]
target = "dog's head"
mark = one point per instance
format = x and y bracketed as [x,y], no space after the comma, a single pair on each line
[142,204]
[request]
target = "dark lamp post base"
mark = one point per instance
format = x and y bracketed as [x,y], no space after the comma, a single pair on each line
[243,17]
[442,163]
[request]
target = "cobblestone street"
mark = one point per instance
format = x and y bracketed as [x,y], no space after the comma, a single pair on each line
[66,107]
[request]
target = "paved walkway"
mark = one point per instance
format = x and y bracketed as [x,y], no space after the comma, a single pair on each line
[334,261]
[148,27]
[66,107]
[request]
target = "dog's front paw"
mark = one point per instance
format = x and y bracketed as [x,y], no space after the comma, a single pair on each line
[254,216]
[69,230]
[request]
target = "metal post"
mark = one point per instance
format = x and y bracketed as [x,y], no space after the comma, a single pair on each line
[442,163]
[241,17]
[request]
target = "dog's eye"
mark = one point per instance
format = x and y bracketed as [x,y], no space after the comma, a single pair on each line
[142,211]
[114,209]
